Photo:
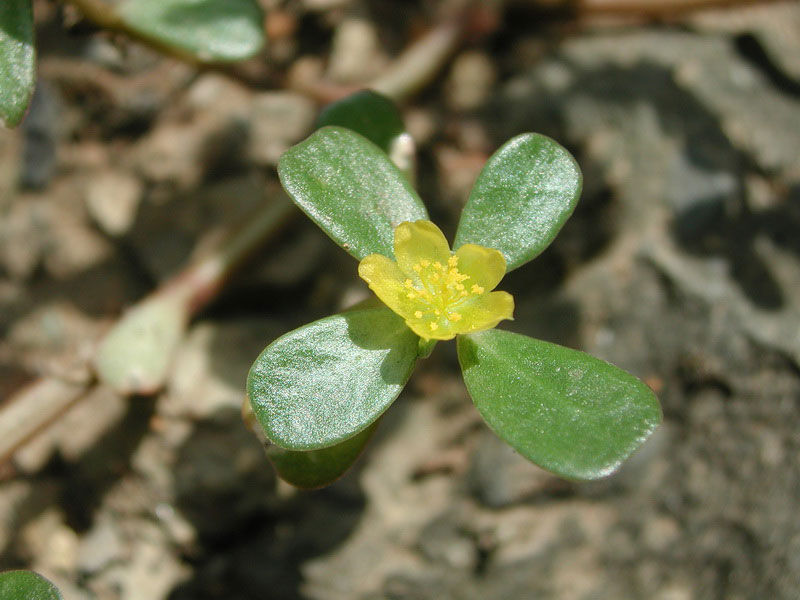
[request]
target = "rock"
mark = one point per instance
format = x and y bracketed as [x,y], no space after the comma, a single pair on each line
[210,369]
[470,81]
[101,546]
[278,120]
[153,570]
[51,541]
[356,55]
[112,198]
[499,477]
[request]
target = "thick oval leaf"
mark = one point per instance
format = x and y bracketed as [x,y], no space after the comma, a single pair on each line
[568,412]
[26,585]
[523,196]
[311,469]
[17,58]
[323,383]
[350,188]
[367,113]
[135,355]
[208,30]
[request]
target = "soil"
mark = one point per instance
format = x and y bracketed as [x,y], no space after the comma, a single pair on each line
[681,265]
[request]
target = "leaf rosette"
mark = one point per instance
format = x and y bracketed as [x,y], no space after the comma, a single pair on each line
[319,391]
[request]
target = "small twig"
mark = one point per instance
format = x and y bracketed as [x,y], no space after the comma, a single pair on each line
[409,73]
[656,10]
[33,409]
[418,65]
[204,280]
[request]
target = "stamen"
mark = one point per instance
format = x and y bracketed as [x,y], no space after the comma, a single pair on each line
[418,314]
[425,263]
[476,289]
[452,261]
[411,295]
[417,267]
[454,317]
[438,266]
[408,283]
[433,326]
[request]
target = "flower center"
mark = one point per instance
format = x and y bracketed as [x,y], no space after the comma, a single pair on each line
[437,291]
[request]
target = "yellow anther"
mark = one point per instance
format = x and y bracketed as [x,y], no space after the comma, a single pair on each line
[417,267]
[452,261]
[408,283]
[425,262]
[435,277]
[418,314]
[459,286]
[438,266]
[436,312]
[433,326]
[454,317]
[411,295]
[476,289]
[463,293]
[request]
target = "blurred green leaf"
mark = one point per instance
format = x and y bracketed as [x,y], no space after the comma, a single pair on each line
[135,355]
[323,383]
[368,113]
[350,188]
[26,585]
[17,60]
[208,30]
[311,469]
[521,199]
[566,411]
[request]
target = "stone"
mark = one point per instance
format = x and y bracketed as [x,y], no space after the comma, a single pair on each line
[112,198]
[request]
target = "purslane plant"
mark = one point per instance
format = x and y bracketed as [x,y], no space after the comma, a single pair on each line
[318,391]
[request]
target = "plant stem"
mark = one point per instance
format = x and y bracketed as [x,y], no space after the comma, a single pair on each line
[136,355]
[43,402]
[206,278]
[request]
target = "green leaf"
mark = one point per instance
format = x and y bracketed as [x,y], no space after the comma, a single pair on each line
[208,30]
[313,469]
[367,113]
[350,188]
[523,196]
[321,384]
[26,585]
[17,60]
[136,354]
[568,412]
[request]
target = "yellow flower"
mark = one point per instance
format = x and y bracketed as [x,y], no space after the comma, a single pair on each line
[440,294]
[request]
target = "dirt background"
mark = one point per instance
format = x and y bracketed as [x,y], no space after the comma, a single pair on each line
[681,265]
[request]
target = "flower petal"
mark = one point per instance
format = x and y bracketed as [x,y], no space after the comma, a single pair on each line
[485,266]
[423,330]
[419,241]
[387,281]
[484,312]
